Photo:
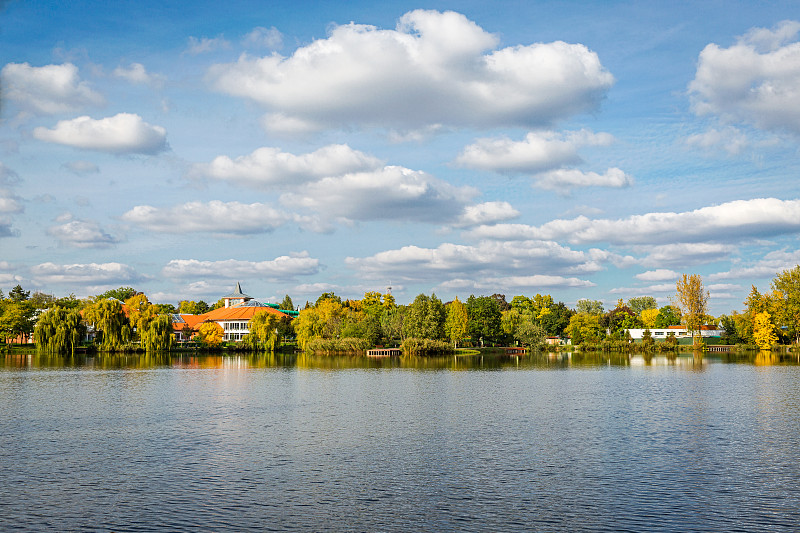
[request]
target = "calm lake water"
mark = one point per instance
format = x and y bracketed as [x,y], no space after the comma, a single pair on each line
[349,444]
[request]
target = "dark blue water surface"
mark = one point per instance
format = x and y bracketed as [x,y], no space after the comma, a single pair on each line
[348,444]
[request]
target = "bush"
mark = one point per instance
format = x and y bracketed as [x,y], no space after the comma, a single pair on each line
[426,347]
[330,346]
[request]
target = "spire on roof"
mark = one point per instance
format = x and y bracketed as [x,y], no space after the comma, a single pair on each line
[236,297]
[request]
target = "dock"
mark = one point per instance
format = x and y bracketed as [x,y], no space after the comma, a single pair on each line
[720,347]
[515,351]
[385,352]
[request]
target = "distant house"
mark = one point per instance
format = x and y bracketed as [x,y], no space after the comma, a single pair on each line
[234,317]
[679,332]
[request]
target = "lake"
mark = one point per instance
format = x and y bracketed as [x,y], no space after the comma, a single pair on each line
[537,443]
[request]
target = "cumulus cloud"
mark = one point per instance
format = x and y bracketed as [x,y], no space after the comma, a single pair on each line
[124,133]
[521,283]
[390,193]
[215,217]
[730,139]
[82,234]
[204,45]
[659,288]
[91,274]
[81,168]
[283,267]
[685,254]
[661,274]
[10,203]
[434,68]
[262,37]
[566,179]
[731,221]
[486,213]
[136,73]
[47,90]
[540,151]
[270,167]
[486,259]
[767,267]
[756,81]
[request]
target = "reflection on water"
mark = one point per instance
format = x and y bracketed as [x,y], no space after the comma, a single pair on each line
[550,442]
[320,362]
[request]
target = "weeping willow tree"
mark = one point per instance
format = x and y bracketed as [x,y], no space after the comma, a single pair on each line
[59,330]
[156,334]
[108,317]
[263,334]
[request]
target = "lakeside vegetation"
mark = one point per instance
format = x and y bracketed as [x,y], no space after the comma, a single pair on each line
[124,320]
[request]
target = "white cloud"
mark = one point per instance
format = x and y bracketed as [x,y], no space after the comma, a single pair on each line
[731,221]
[486,259]
[269,167]
[10,203]
[283,267]
[685,254]
[391,193]
[124,133]
[434,68]
[767,267]
[47,90]
[262,37]
[81,168]
[521,283]
[486,213]
[206,44]
[756,81]
[136,73]
[215,217]
[314,289]
[661,274]
[82,234]
[645,291]
[539,152]
[566,179]
[730,139]
[93,274]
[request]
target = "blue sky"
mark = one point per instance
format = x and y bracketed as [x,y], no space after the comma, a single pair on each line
[584,150]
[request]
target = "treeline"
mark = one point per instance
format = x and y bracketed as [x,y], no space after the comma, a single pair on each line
[332,324]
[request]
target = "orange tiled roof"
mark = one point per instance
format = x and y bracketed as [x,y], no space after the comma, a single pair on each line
[238,312]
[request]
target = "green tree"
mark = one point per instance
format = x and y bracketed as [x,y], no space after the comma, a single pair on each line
[457,323]
[190,307]
[17,294]
[621,318]
[59,330]
[485,318]
[16,319]
[638,304]
[424,318]
[327,296]
[287,303]
[263,335]
[156,335]
[787,284]
[121,294]
[556,320]
[585,328]
[692,299]
[731,335]
[668,315]
[109,321]
[589,307]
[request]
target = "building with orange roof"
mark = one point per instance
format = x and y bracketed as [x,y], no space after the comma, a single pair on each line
[234,317]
